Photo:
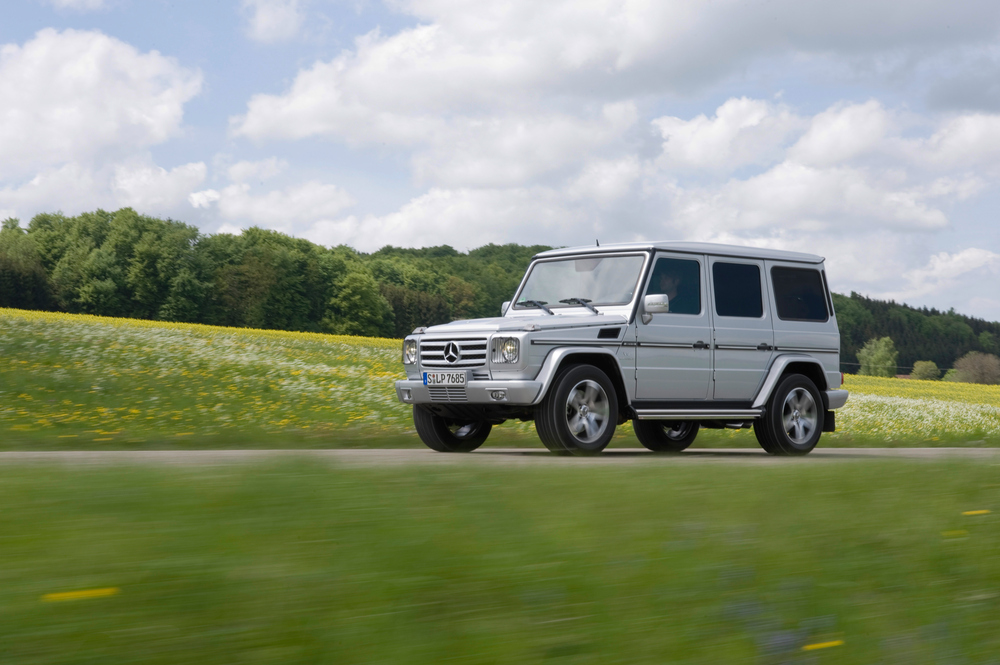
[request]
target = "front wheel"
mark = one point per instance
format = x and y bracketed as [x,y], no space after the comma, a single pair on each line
[579,413]
[449,436]
[793,421]
[663,436]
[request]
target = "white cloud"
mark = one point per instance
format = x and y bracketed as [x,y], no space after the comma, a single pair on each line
[78,5]
[842,133]
[317,106]
[270,21]
[964,141]
[284,209]
[945,270]
[605,181]
[795,196]
[743,131]
[463,218]
[152,189]
[465,57]
[74,188]
[959,188]
[205,198]
[259,170]
[506,151]
[79,95]
[231,229]
[69,187]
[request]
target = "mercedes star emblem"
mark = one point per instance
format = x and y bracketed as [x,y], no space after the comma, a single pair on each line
[452,353]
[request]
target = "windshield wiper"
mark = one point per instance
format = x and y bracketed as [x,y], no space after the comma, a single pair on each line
[537,303]
[581,301]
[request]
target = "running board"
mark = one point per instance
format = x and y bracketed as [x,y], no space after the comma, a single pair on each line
[697,414]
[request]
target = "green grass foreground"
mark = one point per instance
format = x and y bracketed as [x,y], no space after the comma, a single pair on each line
[303,562]
[86,382]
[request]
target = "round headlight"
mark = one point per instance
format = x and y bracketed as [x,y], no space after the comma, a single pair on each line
[509,350]
[409,351]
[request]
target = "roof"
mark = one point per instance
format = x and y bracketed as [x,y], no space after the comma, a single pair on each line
[689,248]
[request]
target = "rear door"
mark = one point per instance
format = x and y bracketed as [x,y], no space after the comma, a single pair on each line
[673,355]
[743,335]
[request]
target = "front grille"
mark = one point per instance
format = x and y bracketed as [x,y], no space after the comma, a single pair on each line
[472,352]
[447,393]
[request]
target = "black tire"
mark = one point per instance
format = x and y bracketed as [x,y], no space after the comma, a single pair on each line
[759,430]
[793,422]
[449,436]
[665,436]
[579,414]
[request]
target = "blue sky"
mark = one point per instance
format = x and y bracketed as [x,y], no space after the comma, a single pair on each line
[868,132]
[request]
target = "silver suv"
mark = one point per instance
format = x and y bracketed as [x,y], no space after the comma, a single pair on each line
[673,336]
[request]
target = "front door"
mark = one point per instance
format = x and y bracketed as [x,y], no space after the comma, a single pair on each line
[673,354]
[743,335]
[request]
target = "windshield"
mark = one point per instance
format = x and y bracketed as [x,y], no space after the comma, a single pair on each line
[609,280]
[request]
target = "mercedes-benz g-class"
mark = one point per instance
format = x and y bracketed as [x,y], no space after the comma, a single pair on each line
[673,336]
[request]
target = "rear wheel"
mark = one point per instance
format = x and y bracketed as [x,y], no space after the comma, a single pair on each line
[665,436]
[446,435]
[793,421]
[579,413]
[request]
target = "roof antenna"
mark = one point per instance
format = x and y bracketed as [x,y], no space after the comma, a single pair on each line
[598,242]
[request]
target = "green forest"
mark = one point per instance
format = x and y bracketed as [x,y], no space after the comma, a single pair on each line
[125,264]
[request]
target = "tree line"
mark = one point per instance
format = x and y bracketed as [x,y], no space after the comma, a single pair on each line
[917,334]
[126,264]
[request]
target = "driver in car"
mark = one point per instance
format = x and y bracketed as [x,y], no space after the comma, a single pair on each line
[670,283]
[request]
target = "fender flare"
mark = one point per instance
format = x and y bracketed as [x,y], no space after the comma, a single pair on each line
[552,362]
[777,369]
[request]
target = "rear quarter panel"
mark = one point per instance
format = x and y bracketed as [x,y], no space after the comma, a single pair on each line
[819,339]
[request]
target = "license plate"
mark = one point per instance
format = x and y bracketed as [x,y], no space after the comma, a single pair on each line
[444,378]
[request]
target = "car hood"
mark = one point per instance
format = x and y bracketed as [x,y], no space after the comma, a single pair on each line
[512,324]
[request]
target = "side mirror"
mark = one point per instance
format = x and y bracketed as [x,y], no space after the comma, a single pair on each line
[504,307]
[656,303]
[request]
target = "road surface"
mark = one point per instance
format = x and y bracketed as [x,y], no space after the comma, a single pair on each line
[374,457]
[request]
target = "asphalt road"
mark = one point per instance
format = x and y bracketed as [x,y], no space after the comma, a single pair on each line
[488,456]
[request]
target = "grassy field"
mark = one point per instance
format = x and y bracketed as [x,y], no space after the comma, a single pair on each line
[69,381]
[300,562]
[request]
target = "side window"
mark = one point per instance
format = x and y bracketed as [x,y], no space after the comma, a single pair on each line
[680,281]
[799,294]
[737,290]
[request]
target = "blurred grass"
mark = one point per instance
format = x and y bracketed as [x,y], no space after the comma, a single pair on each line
[302,562]
[85,382]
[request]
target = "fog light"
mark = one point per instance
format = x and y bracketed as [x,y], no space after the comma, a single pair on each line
[498,395]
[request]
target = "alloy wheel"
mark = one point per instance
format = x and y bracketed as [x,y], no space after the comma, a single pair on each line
[799,415]
[587,411]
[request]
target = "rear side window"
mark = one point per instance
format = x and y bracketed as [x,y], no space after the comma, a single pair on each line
[799,294]
[737,290]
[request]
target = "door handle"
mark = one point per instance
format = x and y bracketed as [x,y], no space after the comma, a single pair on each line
[701,345]
[763,347]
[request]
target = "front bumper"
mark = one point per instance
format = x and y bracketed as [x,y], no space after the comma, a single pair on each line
[475,392]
